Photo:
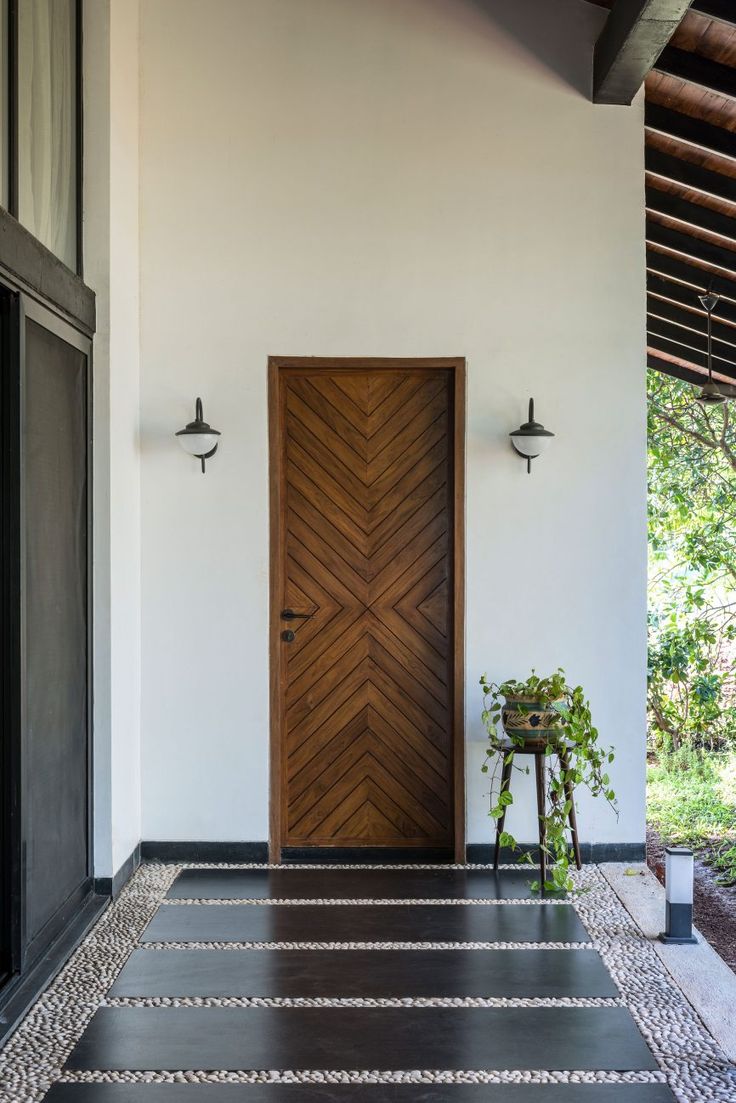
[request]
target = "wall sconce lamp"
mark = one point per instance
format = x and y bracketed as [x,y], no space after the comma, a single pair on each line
[198,438]
[531,438]
[678,884]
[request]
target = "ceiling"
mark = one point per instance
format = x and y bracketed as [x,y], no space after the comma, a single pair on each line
[690,117]
[691,193]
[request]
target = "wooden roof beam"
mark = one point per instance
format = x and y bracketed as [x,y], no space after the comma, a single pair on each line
[681,367]
[632,39]
[691,339]
[684,343]
[691,131]
[694,323]
[720,262]
[693,216]
[687,175]
[711,76]
[686,264]
[685,295]
[721,10]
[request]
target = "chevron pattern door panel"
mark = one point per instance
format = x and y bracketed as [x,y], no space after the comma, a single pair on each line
[367,545]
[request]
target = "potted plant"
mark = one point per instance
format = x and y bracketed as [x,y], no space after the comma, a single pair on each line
[550,711]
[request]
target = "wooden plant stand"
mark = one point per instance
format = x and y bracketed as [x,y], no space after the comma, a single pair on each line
[537,747]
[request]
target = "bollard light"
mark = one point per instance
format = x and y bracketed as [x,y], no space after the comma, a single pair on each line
[678,885]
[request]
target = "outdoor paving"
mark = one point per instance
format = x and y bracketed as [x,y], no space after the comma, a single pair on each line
[247,984]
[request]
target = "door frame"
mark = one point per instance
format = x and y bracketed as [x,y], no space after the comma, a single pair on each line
[21,305]
[278,368]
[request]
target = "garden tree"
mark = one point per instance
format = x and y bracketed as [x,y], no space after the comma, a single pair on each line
[692,576]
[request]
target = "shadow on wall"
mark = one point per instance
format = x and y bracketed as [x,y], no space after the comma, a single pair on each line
[558,33]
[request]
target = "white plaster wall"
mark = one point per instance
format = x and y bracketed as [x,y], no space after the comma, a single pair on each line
[387,178]
[112,270]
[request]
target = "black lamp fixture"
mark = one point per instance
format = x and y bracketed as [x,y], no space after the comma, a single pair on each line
[531,438]
[198,438]
[711,394]
[678,883]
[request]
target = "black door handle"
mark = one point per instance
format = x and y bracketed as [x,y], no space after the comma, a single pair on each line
[289,614]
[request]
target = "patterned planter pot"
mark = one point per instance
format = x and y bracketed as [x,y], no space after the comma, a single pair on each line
[528,718]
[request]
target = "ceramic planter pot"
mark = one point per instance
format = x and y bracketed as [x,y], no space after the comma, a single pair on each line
[528,718]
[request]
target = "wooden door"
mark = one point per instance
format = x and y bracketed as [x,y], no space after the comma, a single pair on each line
[367,740]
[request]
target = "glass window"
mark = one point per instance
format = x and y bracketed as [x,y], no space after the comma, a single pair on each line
[47,156]
[4,114]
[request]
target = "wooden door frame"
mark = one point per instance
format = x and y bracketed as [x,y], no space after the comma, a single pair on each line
[278,367]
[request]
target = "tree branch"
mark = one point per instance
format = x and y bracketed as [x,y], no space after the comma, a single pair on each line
[713,442]
[709,442]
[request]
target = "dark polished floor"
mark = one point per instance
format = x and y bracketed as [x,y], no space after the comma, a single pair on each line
[490,994]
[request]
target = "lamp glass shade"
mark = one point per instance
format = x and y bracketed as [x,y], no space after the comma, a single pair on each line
[197,444]
[531,444]
[678,875]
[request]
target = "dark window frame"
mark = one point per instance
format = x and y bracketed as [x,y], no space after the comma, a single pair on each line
[35,283]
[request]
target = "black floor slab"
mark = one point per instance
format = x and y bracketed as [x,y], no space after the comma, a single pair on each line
[365,923]
[365,973]
[360,1093]
[348,884]
[556,1038]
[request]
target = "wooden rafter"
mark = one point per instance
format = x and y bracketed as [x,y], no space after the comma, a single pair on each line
[690,131]
[690,318]
[721,10]
[703,72]
[671,364]
[692,217]
[688,272]
[689,345]
[669,169]
[693,250]
[685,295]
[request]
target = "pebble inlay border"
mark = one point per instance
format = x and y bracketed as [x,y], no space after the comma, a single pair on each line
[237,901]
[369,1076]
[690,1059]
[366,946]
[363,1001]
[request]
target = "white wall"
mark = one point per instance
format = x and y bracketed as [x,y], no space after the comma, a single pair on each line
[387,178]
[111,265]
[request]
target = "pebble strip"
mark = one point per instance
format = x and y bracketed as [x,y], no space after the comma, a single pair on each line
[347,865]
[362,1001]
[237,901]
[369,1076]
[366,946]
[689,1058]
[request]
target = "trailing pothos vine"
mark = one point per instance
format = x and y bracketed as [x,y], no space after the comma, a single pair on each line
[583,761]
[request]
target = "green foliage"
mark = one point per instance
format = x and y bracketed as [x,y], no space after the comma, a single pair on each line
[585,761]
[691,801]
[692,576]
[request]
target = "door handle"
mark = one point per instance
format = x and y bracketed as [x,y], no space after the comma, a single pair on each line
[289,614]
